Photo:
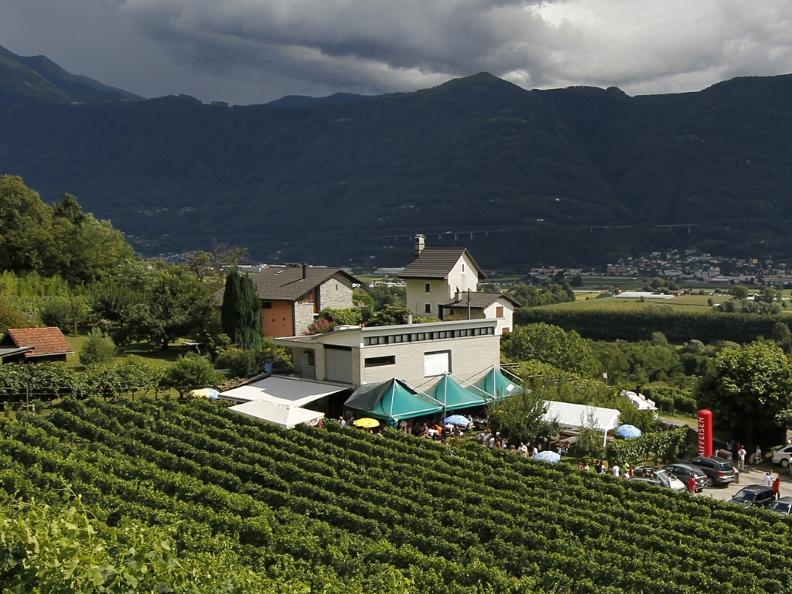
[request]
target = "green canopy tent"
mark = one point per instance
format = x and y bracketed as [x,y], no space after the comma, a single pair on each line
[392,401]
[497,385]
[454,397]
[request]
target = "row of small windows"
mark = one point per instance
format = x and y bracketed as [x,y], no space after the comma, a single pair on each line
[419,336]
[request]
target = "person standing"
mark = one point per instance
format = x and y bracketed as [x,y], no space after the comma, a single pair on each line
[615,470]
[741,453]
[758,455]
[692,484]
[768,479]
[777,488]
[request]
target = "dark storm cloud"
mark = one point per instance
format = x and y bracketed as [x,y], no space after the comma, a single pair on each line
[256,50]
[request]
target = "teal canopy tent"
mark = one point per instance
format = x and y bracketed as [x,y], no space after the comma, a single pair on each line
[454,397]
[497,385]
[392,401]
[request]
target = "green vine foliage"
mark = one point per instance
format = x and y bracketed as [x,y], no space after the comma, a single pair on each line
[169,496]
[658,446]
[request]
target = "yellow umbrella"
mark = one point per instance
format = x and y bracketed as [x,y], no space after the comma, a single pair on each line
[366,423]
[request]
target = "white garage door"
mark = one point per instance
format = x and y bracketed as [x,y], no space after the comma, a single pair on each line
[437,363]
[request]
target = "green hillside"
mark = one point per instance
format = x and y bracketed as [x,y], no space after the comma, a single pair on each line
[339,510]
[568,176]
[38,78]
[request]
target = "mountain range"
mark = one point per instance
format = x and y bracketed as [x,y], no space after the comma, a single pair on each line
[569,176]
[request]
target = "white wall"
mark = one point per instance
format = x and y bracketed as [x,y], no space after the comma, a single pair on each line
[463,276]
[508,315]
[417,296]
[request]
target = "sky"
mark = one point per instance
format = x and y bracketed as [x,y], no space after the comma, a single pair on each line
[254,51]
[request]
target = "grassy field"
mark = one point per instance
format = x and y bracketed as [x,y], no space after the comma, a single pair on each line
[154,358]
[585,300]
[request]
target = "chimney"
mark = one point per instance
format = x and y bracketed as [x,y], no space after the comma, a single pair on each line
[304,270]
[420,243]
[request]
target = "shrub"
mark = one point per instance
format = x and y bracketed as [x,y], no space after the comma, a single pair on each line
[99,348]
[239,362]
[11,318]
[190,371]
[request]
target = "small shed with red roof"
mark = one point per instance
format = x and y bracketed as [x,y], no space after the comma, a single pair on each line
[33,345]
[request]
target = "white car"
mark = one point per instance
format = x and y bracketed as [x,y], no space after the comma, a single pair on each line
[782,454]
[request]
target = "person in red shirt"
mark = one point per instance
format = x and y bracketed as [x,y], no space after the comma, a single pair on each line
[777,488]
[692,484]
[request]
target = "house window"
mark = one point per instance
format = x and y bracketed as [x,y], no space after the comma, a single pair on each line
[266,305]
[427,287]
[380,361]
[463,267]
[437,363]
[499,311]
[427,308]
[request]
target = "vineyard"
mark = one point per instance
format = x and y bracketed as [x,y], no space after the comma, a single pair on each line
[144,495]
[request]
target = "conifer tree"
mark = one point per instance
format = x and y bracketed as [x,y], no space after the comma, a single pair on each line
[229,313]
[250,332]
[240,315]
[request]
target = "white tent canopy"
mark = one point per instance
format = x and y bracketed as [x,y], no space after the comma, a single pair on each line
[284,390]
[286,416]
[280,399]
[582,416]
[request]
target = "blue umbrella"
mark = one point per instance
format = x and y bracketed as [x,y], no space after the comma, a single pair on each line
[628,431]
[458,420]
[548,456]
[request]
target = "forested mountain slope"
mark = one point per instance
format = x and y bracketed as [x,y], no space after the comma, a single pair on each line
[330,180]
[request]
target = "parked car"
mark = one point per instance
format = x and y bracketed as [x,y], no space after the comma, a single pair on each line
[754,496]
[719,472]
[781,455]
[684,471]
[659,477]
[783,506]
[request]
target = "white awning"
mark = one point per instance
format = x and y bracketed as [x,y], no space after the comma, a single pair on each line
[286,391]
[580,416]
[286,416]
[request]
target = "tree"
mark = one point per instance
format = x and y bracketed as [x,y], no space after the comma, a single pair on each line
[230,313]
[521,418]
[178,305]
[99,348]
[241,311]
[551,344]
[190,371]
[739,292]
[782,336]
[26,229]
[749,389]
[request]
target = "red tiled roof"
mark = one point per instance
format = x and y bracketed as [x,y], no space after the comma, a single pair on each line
[45,341]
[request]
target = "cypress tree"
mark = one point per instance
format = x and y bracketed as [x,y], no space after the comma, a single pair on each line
[249,332]
[229,312]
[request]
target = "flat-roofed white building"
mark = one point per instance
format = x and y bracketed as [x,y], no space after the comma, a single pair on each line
[418,354]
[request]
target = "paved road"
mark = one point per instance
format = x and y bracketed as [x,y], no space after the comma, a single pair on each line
[752,475]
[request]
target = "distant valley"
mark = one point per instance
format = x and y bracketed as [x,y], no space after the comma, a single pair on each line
[569,176]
